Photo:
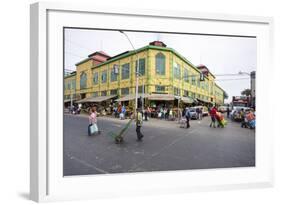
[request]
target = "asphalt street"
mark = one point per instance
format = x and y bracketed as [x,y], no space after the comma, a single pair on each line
[165,147]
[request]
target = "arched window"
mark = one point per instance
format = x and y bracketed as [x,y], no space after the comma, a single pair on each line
[177,71]
[185,75]
[160,63]
[83,80]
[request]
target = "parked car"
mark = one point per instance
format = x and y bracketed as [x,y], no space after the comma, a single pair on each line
[235,113]
[193,113]
[205,110]
[222,109]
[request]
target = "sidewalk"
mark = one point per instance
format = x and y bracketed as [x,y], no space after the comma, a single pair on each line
[152,122]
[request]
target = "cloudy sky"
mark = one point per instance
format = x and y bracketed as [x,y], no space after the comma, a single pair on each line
[222,55]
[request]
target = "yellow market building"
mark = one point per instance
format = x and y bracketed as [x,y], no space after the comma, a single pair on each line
[164,73]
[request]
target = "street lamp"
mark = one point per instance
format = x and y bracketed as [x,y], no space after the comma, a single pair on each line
[179,98]
[243,73]
[137,77]
[71,100]
[142,99]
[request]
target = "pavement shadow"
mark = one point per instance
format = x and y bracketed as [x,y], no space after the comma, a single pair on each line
[24,196]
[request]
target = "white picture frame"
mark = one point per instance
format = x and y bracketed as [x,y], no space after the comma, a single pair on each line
[46,181]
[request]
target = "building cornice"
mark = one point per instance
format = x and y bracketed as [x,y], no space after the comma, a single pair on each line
[127,54]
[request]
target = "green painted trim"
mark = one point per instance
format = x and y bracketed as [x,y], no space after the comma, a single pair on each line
[108,77]
[219,87]
[70,75]
[121,56]
[148,70]
[153,48]
[171,72]
[176,53]
[99,81]
[119,79]
[182,80]
[132,69]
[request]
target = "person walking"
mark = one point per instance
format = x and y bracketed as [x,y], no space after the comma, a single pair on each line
[250,117]
[160,112]
[227,111]
[171,117]
[213,113]
[139,124]
[165,113]
[93,127]
[200,113]
[119,109]
[149,111]
[197,112]
[115,112]
[146,114]
[242,116]
[187,117]
[123,111]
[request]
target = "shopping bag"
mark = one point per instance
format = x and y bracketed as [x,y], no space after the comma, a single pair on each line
[121,116]
[95,128]
[92,129]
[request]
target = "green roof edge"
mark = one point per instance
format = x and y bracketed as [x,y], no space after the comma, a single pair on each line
[139,50]
[121,56]
[142,49]
[70,75]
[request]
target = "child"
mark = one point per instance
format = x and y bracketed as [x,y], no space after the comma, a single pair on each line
[93,128]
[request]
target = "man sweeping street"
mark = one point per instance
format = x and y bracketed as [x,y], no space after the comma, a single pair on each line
[139,124]
[187,117]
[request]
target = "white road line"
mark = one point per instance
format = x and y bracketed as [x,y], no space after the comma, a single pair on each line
[89,165]
[136,166]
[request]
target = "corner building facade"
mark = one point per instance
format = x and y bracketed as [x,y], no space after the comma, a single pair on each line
[162,70]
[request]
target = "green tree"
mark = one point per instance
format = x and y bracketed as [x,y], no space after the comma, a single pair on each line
[225,95]
[246,92]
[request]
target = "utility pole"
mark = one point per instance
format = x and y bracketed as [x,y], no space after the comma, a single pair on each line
[245,73]
[71,100]
[137,76]
[142,99]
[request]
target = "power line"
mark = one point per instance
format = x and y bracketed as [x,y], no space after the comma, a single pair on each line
[230,79]
[73,54]
[78,45]
[228,74]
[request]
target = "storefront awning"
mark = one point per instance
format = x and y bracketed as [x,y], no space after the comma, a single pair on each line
[204,101]
[69,100]
[188,100]
[130,97]
[96,99]
[161,97]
